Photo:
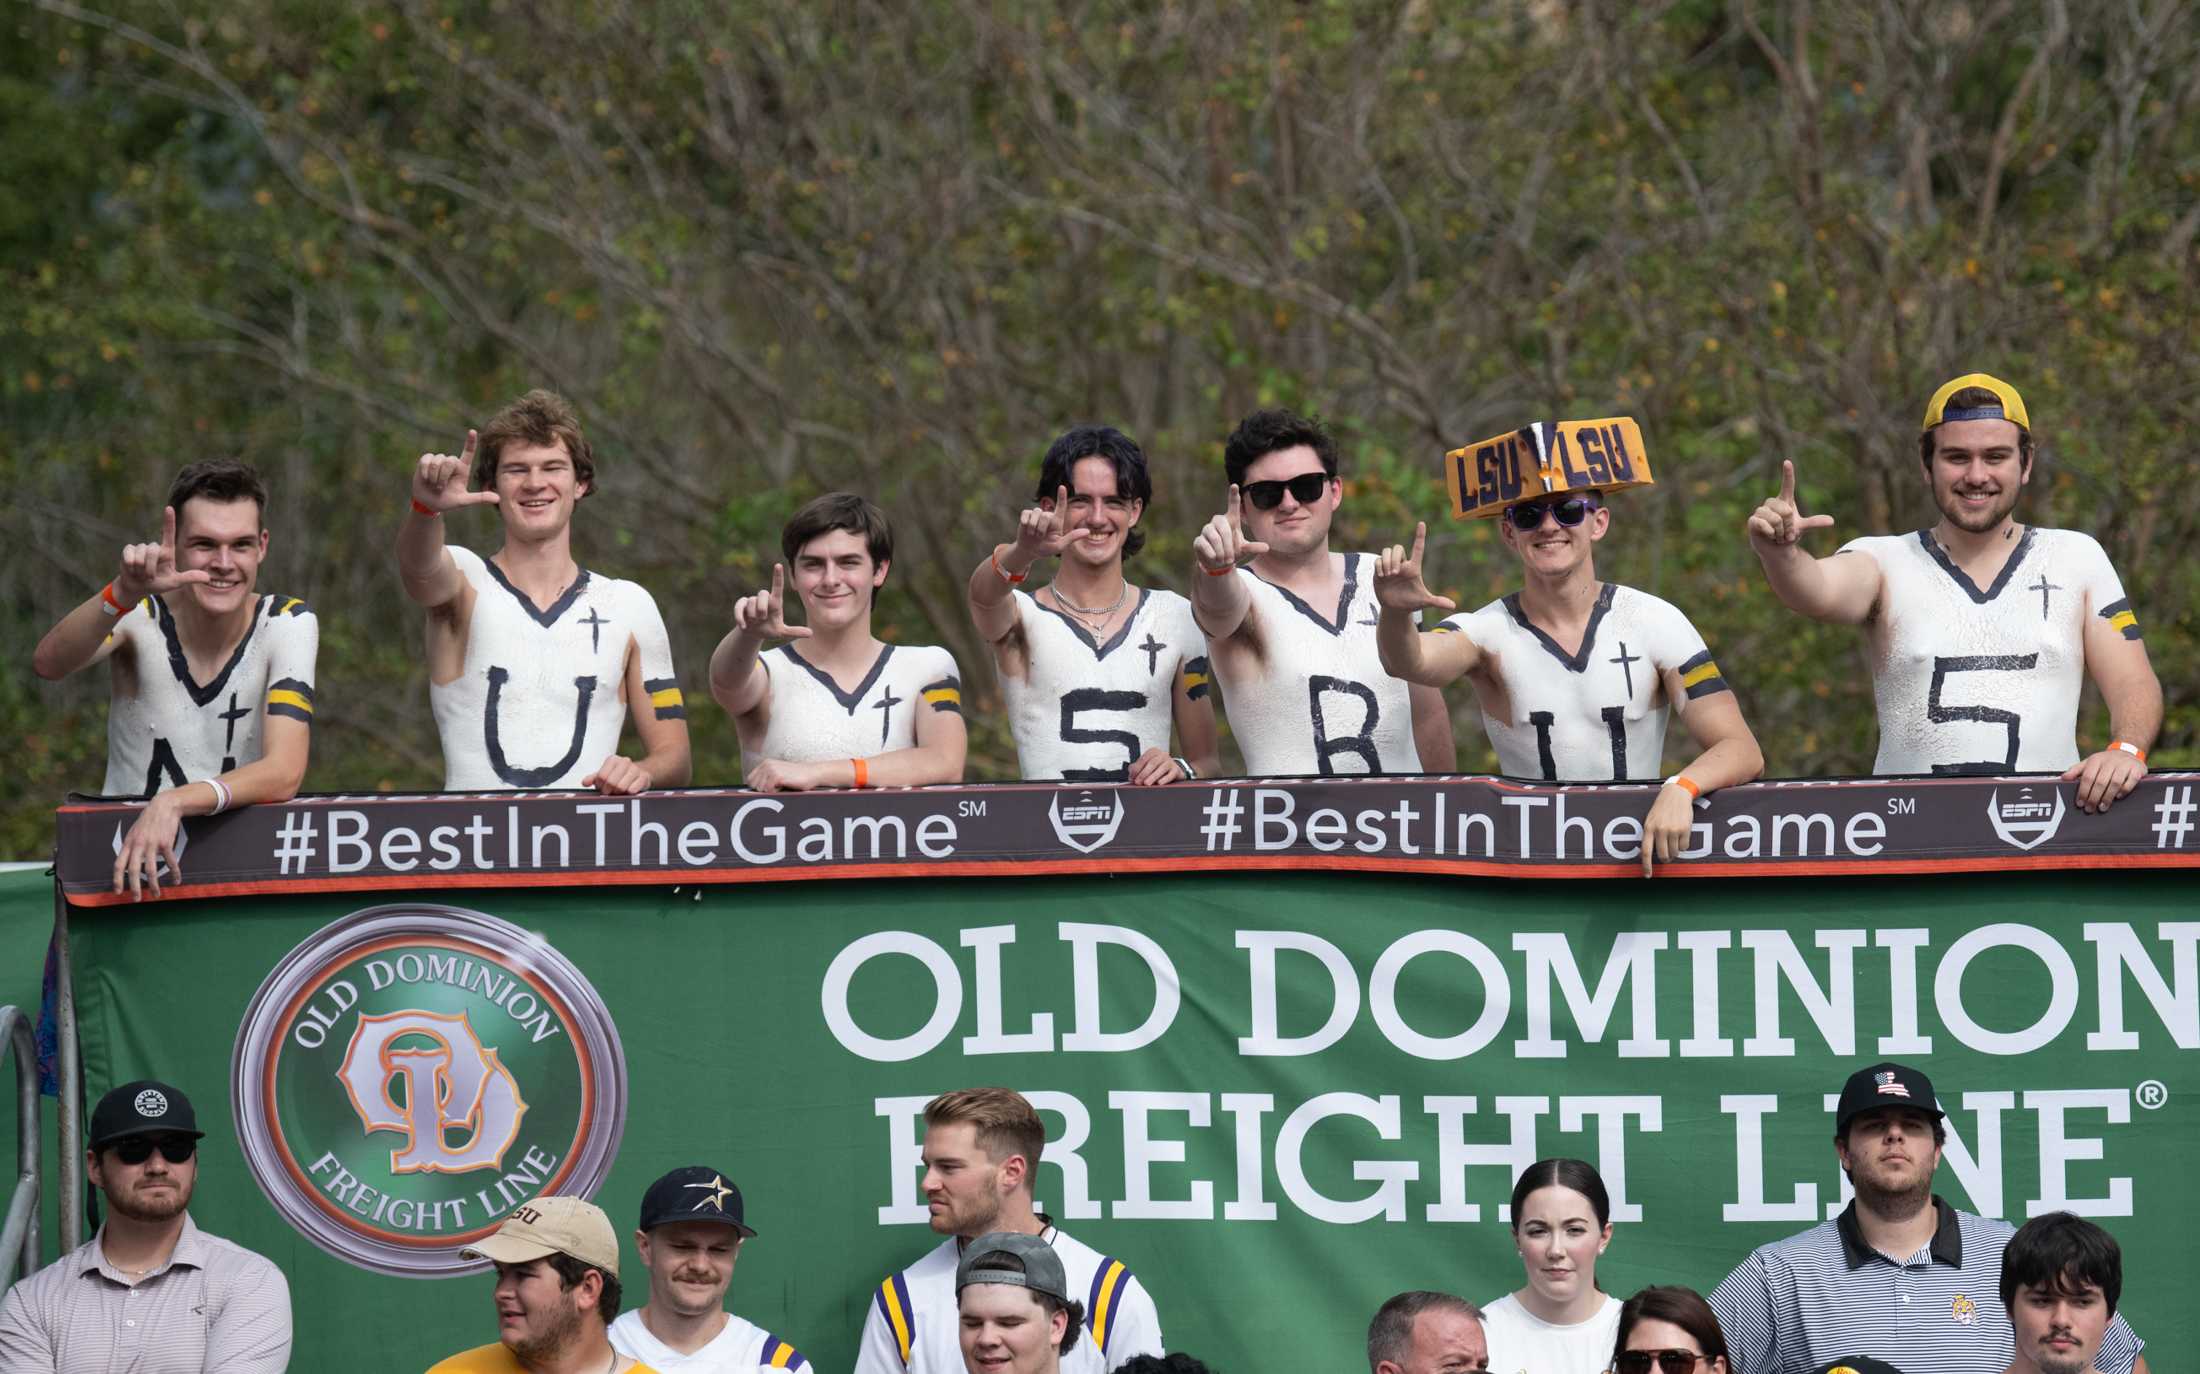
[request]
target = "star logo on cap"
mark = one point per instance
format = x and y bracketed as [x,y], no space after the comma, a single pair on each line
[151,1102]
[718,1189]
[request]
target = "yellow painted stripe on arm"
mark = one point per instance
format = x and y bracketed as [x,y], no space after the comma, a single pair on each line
[288,698]
[943,694]
[670,696]
[779,1356]
[2123,620]
[1702,674]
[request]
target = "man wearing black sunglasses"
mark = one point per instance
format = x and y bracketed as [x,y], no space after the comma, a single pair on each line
[151,1292]
[1574,676]
[1290,626]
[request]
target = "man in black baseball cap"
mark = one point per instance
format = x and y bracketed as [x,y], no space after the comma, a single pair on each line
[689,1236]
[150,1281]
[1899,1273]
[1017,1314]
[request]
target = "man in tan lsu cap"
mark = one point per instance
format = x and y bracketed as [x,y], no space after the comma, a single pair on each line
[1982,629]
[557,1290]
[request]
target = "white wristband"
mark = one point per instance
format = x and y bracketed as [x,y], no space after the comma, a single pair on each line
[221,796]
[1186,764]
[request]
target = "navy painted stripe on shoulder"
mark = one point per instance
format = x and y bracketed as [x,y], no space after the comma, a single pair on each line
[291,684]
[1707,687]
[1697,662]
[658,684]
[285,709]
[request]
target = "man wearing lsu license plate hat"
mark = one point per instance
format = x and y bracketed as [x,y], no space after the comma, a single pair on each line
[1574,676]
[1900,1275]
[557,1289]
[1982,629]
[690,1234]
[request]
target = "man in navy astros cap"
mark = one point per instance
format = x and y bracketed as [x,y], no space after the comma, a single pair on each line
[689,1237]
[151,1293]
[1900,1275]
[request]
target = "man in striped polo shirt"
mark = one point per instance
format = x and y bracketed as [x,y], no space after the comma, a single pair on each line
[1900,1275]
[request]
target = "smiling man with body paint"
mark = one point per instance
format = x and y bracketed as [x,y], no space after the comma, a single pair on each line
[534,662]
[836,706]
[211,695]
[1290,625]
[1574,676]
[1982,630]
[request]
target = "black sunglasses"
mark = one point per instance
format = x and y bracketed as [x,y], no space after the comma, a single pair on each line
[174,1149]
[1306,488]
[1528,515]
[1668,1361]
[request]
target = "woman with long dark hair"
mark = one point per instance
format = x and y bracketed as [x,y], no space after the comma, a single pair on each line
[1668,1330]
[1560,1322]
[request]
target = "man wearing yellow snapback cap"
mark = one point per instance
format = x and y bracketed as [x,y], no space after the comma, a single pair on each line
[557,1262]
[1982,629]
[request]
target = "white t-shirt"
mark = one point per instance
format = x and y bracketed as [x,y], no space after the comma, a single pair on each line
[1972,680]
[1086,711]
[915,1324]
[810,719]
[173,729]
[1523,1343]
[537,704]
[741,1348]
[1319,701]
[1598,714]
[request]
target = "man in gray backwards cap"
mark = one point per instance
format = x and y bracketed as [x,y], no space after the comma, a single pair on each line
[1017,1314]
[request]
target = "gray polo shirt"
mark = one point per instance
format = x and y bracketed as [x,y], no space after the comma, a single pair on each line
[1821,1295]
[213,1306]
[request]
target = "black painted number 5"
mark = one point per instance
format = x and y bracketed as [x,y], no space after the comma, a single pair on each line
[1943,668]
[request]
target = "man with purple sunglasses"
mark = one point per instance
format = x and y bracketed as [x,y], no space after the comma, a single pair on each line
[1574,676]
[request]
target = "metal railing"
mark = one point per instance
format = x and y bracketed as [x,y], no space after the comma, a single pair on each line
[19,1237]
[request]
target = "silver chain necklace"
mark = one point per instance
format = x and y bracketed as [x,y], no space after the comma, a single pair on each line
[1103,612]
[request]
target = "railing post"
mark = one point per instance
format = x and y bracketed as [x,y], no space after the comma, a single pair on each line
[72,1102]
[19,1235]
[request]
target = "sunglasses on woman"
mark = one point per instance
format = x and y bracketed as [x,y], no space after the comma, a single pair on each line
[1306,488]
[174,1149]
[1528,515]
[1668,1361]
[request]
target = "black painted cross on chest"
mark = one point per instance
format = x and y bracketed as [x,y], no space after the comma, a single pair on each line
[1153,648]
[1627,662]
[2043,587]
[595,624]
[885,708]
[234,714]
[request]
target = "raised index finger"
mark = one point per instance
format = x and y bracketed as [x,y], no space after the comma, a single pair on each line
[473,441]
[1236,508]
[1787,480]
[168,528]
[1420,540]
[1061,509]
[779,583]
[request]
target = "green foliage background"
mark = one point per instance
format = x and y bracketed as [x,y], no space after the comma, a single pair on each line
[777,248]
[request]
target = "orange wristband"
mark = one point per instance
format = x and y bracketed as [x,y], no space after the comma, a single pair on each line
[1220,572]
[1012,579]
[2128,747]
[419,509]
[1681,781]
[108,602]
[863,773]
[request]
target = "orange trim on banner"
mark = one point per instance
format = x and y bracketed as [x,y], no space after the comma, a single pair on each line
[1012,868]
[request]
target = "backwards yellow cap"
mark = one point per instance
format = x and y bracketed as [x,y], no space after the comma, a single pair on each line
[2011,407]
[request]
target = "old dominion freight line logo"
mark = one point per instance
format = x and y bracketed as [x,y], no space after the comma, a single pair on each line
[410,1073]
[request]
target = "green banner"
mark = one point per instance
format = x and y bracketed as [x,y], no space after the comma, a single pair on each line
[1280,1098]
